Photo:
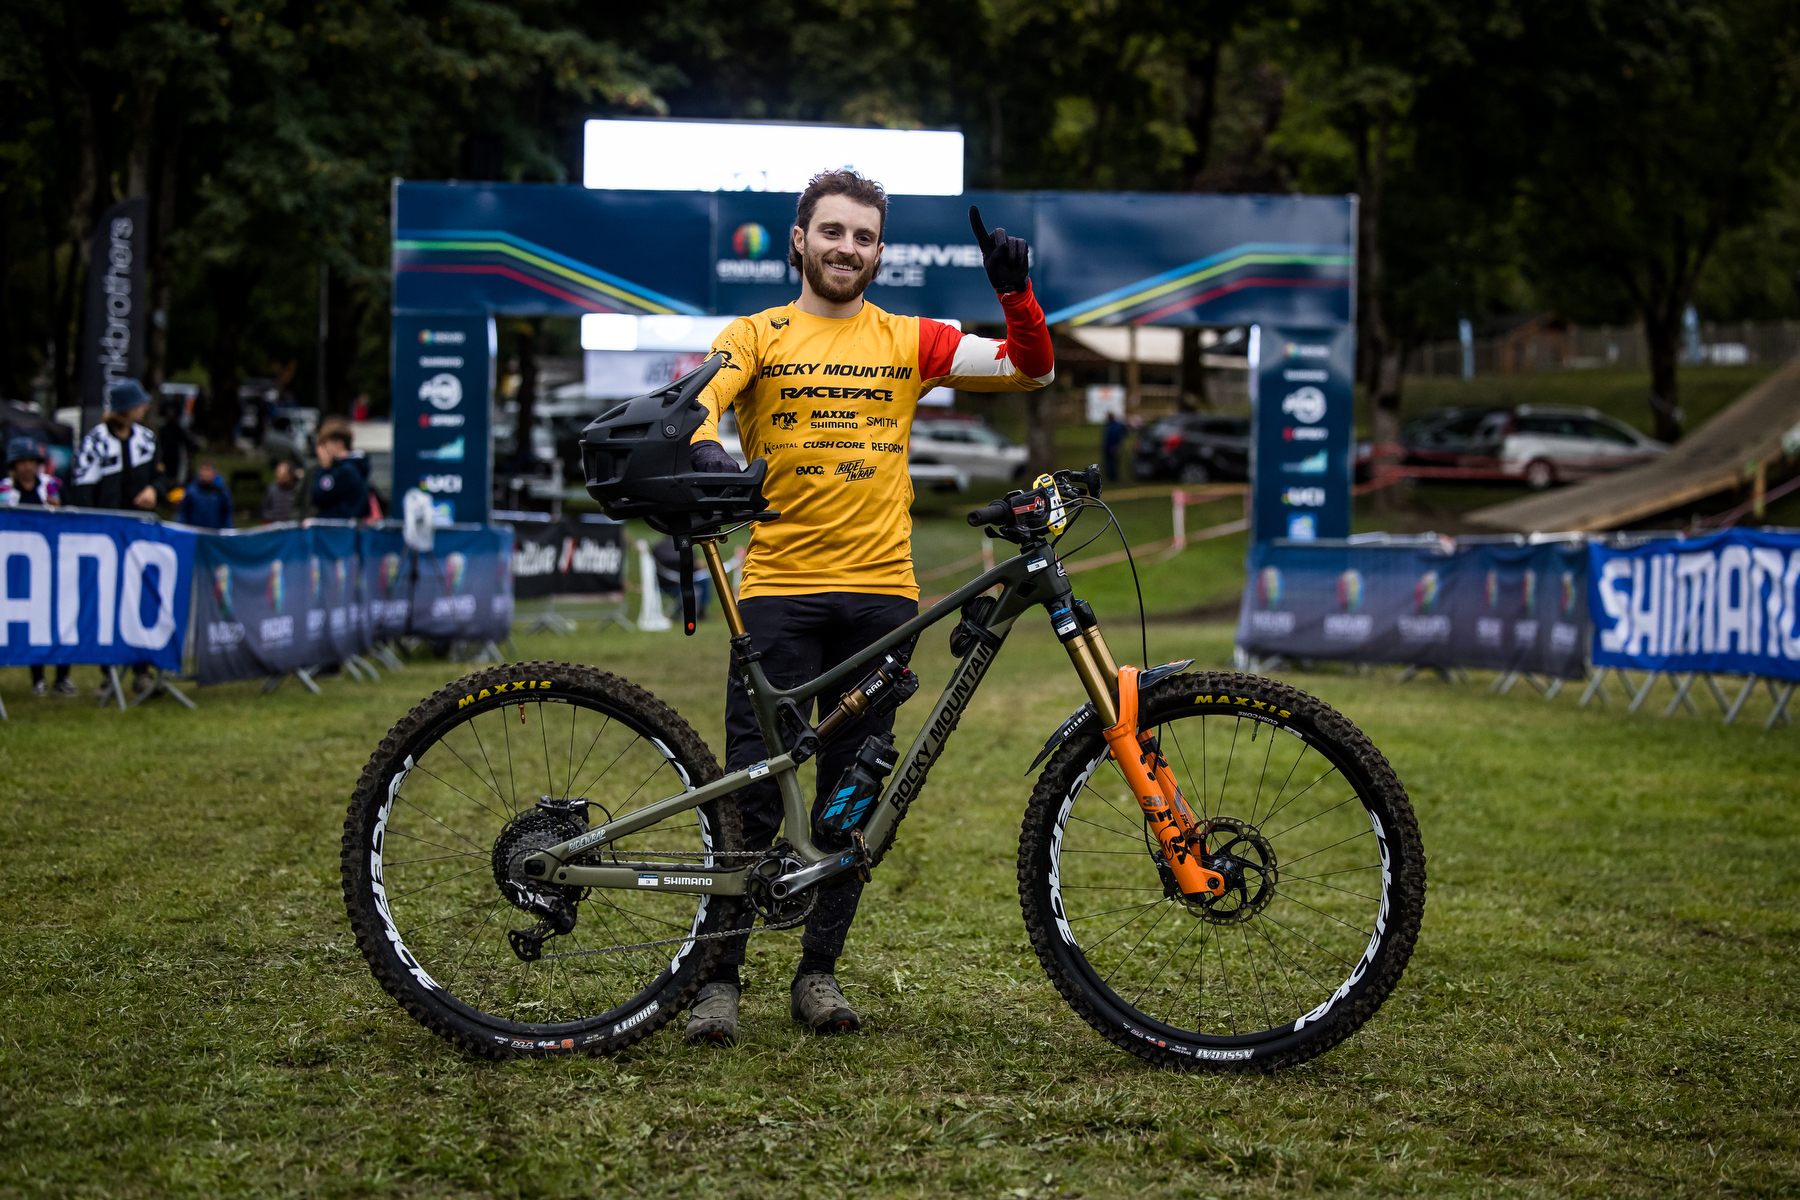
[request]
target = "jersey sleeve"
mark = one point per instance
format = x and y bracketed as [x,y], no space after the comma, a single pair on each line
[738,344]
[1023,362]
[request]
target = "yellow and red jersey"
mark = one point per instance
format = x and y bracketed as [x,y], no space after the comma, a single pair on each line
[830,402]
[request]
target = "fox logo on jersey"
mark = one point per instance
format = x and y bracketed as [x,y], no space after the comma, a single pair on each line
[784,420]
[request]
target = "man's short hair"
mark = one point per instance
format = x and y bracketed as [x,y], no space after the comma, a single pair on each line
[337,430]
[842,182]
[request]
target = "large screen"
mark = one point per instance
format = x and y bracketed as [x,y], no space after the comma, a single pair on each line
[749,156]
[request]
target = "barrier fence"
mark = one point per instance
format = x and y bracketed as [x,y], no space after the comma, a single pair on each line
[112,589]
[1564,607]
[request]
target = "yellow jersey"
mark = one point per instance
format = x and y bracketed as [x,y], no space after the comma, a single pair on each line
[829,402]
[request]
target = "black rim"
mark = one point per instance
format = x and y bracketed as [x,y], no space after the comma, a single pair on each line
[474,789]
[1281,945]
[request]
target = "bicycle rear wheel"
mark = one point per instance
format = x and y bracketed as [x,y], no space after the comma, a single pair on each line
[1325,880]
[470,782]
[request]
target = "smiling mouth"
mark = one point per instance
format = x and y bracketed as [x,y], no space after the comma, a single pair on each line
[844,268]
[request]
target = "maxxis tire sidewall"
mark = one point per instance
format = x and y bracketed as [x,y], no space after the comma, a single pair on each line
[663,998]
[1351,1006]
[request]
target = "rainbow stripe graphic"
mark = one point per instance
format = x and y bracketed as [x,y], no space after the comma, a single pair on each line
[496,252]
[1251,265]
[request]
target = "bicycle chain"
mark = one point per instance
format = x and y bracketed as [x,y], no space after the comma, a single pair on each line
[799,918]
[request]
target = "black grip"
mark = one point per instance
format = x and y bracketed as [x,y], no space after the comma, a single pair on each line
[689,605]
[991,514]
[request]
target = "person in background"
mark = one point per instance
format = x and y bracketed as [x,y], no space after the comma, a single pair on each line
[281,499]
[25,481]
[27,485]
[207,502]
[117,465]
[341,488]
[1112,437]
[359,411]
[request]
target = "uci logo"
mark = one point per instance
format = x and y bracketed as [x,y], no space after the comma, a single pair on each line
[813,470]
[784,420]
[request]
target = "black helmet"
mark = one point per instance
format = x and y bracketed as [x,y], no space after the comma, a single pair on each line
[638,463]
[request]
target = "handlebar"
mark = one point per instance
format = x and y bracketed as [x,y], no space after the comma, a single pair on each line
[1069,485]
[990,514]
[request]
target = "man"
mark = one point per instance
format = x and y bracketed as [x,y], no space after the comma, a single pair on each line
[207,502]
[341,488]
[825,389]
[1112,436]
[117,467]
[26,484]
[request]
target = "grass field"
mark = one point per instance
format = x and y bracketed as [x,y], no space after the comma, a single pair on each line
[1602,1001]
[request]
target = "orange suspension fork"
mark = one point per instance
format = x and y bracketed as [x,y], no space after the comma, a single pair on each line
[1152,781]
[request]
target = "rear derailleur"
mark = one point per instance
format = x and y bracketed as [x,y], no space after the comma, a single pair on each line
[550,823]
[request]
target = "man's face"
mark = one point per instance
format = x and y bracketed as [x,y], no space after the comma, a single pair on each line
[136,415]
[284,474]
[25,472]
[841,250]
[207,474]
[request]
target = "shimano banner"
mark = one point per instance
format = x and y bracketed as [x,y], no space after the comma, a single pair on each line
[78,587]
[1728,603]
[1497,606]
[464,586]
[566,558]
[1302,431]
[443,375]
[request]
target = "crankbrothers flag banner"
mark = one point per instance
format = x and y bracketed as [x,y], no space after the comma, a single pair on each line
[1723,604]
[1496,606]
[84,587]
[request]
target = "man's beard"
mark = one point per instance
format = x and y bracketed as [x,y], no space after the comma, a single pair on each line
[835,288]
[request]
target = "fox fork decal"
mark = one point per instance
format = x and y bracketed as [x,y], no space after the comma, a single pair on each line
[1153,783]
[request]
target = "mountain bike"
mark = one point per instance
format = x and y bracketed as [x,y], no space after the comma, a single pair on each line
[1217,871]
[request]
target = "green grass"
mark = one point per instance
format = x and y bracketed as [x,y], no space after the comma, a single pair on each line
[1602,1001]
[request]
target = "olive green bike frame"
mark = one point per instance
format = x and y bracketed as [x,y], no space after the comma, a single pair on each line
[1035,576]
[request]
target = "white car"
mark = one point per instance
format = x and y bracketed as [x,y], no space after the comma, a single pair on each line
[968,447]
[1549,444]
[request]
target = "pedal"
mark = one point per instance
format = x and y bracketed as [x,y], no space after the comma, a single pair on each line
[860,848]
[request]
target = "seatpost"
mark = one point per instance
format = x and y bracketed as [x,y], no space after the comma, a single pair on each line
[715,567]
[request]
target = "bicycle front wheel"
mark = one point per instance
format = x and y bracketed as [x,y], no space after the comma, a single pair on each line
[1324,868]
[497,765]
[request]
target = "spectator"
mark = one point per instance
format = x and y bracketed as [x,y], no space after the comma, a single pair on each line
[1112,436]
[341,488]
[207,502]
[117,466]
[26,484]
[668,577]
[360,410]
[282,497]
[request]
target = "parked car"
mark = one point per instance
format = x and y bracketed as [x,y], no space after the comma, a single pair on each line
[1539,444]
[967,447]
[1194,448]
[289,434]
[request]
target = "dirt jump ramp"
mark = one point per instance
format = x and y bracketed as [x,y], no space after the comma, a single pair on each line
[1762,425]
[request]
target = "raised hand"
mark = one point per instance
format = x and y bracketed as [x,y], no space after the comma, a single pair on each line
[1007,259]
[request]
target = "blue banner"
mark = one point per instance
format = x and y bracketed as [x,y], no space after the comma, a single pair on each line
[1726,603]
[443,374]
[464,586]
[260,606]
[387,567]
[91,588]
[1496,606]
[1302,431]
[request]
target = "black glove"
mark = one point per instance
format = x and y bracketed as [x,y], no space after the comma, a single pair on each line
[711,457]
[1007,259]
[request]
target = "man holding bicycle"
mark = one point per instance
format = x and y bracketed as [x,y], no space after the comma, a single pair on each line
[825,389]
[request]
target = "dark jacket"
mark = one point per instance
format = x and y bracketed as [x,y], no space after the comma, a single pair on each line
[279,503]
[110,473]
[207,506]
[342,493]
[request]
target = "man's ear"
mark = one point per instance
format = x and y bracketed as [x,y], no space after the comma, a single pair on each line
[797,239]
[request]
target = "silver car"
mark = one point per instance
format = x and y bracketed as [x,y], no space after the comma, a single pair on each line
[968,447]
[1549,444]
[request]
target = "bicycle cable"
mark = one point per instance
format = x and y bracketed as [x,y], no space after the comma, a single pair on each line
[1143,621]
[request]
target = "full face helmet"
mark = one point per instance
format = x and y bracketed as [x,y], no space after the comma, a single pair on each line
[638,462]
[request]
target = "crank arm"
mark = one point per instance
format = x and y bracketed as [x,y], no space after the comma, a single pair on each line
[784,886]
